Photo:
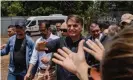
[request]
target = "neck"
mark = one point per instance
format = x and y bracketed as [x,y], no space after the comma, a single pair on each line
[75,38]
[47,36]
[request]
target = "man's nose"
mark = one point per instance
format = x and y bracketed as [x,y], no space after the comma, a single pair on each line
[71,27]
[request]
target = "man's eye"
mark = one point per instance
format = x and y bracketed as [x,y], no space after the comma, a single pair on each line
[68,25]
[75,25]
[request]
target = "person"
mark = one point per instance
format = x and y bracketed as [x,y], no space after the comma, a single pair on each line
[105,32]
[95,32]
[58,33]
[113,30]
[126,19]
[74,28]
[76,63]
[11,31]
[63,30]
[119,54]
[20,47]
[41,56]
[116,61]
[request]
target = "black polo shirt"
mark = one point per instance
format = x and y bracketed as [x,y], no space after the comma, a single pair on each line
[19,55]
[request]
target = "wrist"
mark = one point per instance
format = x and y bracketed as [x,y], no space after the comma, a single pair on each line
[82,72]
[28,72]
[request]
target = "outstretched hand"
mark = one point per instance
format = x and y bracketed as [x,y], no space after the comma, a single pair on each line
[96,49]
[73,62]
[41,46]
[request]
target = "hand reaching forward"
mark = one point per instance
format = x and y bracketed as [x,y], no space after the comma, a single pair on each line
[96,49]
[41,46]
[2,46]
[73,62]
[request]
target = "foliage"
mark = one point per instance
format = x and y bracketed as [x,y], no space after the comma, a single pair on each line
[90,10]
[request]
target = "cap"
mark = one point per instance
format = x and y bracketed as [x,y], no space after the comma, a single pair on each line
[126,18]
[20,24]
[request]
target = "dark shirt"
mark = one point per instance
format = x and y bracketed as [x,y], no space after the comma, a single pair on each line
[63,74]
[93,62]
[19,55]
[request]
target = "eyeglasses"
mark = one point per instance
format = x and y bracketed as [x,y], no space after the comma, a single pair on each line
[64,30]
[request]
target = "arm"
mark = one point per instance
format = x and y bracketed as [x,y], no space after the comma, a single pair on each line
[33,60]
[6,50]
[83,72]
[50,46]
[53,45]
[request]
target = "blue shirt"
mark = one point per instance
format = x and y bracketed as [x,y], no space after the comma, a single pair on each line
[10,48]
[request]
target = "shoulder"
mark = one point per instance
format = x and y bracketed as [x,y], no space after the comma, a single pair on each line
[12,37]
[54,36]
[28,37]
[89,37]
[29,40]
[39,39]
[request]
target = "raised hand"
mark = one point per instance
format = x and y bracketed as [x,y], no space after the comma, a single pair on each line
[73,62]
[96,49]
[41,46]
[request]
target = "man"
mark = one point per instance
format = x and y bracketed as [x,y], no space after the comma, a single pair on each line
[58,33]
[126,19]
[20,47]
[74,28]
[113,30]
[11,31]
[46,35]
[95,33]
[105,32]
[63,30]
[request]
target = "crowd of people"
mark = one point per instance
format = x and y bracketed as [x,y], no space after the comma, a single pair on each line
[68,55]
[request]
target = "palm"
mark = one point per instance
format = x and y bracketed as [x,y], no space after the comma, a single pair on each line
[68,63]
[69,60]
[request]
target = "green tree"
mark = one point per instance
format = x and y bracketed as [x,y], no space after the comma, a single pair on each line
[15,8]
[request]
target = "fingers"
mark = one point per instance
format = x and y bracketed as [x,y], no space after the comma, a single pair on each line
[59,57]
[68,51]
[26,78]
[92,45]
[99,44]
[41,46]
[63,53]
[80,46]
[89,51]
[57,61]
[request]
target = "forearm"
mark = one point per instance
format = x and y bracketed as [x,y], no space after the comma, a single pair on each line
[82,73]
[30,68]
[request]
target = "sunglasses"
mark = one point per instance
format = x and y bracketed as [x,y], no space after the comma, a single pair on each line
[64,30]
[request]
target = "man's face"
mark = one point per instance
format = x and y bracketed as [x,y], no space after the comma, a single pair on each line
[64,31]
[95,30]
[112,30]
[74,29]
[58,25]
[20,33]
[11,32]
[43,29]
